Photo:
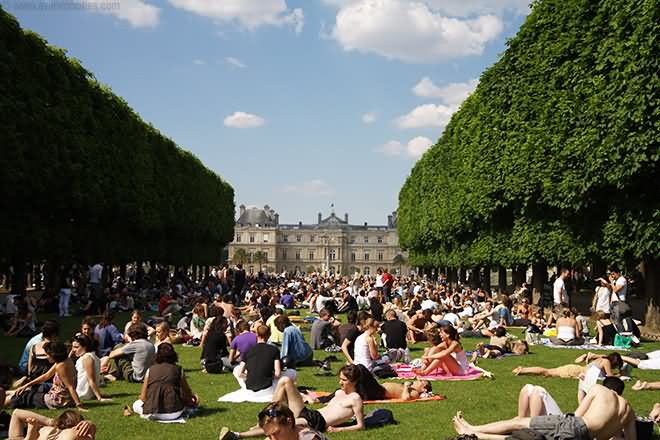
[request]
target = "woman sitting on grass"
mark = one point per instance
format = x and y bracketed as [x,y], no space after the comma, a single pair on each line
[88,368]
[68,426]
[605,328]
[136,318]
[569,331]
[448,355]
[40,393]
[165,391]
[107,335]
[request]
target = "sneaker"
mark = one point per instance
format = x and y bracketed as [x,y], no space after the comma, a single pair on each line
[226,434]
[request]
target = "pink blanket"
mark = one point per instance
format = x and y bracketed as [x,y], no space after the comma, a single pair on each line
[405,372]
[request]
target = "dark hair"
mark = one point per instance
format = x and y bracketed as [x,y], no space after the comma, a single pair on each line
[615,384]
[428,387]
[84,341]
[227,298]
[282,322]
[68,419]
[615,360]
[107,318]
[265,313]
[56,350]
[166,354]
[351,372]
[276,412]
[5,377]
[351,316]
[88,322]
[500,331]
[324,312]
[137,331]
[219,324]
[433,336]
[614,268]
[242,325]
[50,329]
[451,332]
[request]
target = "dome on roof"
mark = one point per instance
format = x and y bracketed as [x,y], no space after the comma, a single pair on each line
[253,216]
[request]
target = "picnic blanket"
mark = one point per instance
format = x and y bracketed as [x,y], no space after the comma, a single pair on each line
[405,372]
[317,394]
[590,347]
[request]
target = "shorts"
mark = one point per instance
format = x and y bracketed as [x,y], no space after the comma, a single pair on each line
[314,419]
[562,427]
[570,371]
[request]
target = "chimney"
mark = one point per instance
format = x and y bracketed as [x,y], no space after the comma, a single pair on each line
[266,208]
[346,217]
[277,219]
[241,210]
[365,224]
[299,223]
[319,218]
[389,221]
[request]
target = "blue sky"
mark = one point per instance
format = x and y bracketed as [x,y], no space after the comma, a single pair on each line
[297,103]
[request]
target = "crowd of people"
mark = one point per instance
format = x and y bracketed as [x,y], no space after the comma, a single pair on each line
[250,326]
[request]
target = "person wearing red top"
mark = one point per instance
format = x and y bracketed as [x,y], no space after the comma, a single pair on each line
[388,280]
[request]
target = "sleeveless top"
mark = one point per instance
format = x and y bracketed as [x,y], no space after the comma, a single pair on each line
[164,389]
[58,396]
[361,351]
[566,333]
[461,359]
[40,364]
[83,389]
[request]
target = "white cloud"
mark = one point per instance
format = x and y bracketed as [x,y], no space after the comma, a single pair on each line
[235,62]
[460,8]
[315,187]
[369,117]
[451,94]
[137,12]
[250,14]
[427,115]
[414,148]
[411,31]
[244,120]
[199,62]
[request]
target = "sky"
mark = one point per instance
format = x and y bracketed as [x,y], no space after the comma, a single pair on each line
[298,104]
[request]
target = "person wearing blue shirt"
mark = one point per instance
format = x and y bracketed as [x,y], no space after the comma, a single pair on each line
[49,330]
[294,350]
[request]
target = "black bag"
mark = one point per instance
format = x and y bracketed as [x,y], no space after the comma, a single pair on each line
[379,417]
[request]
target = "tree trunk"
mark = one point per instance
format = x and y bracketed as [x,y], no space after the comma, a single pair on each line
[539,275]
[451,277]
[485,278]
[19,278]
[501,278]
[462,275]
[518,276]
[651,273]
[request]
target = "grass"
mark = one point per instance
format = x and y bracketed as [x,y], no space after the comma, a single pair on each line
[481,400]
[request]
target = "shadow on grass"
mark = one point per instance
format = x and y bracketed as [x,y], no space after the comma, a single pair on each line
[205,411]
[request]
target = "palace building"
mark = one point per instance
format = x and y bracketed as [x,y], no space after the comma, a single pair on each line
[332,244]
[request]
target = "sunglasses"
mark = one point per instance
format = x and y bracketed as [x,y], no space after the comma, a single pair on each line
[270,412]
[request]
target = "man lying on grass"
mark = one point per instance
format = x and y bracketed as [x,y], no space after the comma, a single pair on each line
[346,404]
[603,414]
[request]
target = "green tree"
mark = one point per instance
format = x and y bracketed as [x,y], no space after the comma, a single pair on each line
[399,260]
[260,258]
[240,256]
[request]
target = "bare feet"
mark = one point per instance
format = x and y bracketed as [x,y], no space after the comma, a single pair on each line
[461,425]
[517,371]
[127,411]
[639,385]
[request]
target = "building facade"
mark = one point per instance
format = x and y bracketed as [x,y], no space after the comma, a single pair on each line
[331,245]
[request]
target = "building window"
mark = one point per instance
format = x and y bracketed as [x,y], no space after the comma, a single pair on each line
[266,238]
[380,240]
[251,238]
[311,255]
[366,256]
[352,239]
[297,255]
[366,270]
[238,238]
[311,239]
[380,256]
[366,239]
[285,237]
[265,254]
[352,256]
[298,238]
[284,254]
[333,254]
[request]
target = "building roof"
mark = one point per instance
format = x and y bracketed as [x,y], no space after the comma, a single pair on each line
[253,216]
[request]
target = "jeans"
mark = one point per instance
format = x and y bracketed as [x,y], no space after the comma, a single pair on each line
[65,297]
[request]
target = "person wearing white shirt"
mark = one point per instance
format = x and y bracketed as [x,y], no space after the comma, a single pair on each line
[559,295]
[601,301]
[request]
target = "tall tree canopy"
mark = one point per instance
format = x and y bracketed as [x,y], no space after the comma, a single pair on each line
[83,175]
[555,156]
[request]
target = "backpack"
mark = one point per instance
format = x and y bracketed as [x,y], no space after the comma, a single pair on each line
[379,417]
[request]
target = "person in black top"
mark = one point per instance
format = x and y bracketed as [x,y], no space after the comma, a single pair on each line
[394,331]
[239,284]
[376,308]
[215,354]
[262,363]
[348,333]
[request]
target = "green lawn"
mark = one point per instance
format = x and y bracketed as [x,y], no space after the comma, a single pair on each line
[482,400]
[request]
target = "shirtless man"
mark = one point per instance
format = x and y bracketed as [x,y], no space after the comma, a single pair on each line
[68,426]
[602,415]
[407,390]
[345,405]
